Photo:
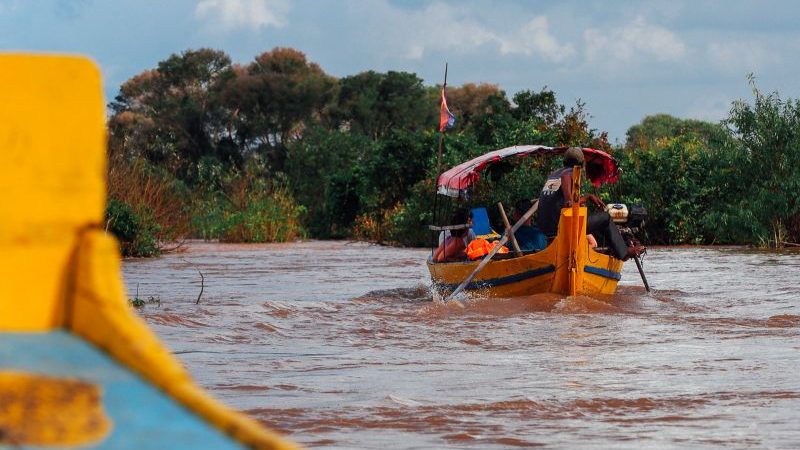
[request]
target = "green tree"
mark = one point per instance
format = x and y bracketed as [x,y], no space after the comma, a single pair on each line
[676,180]
[495,118]
[414,212]
[273,99]
[375,104]
[467,102]
[541,107]
[170,115]
[664,126]
[767,134]
[325,170]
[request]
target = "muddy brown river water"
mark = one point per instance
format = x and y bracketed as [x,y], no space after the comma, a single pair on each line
[339,345]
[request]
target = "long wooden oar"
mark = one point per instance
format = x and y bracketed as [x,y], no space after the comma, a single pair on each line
[641,272]
[494,251]
[508,227]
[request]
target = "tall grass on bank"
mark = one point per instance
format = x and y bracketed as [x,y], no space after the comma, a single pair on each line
[147,208]
[249,208]
[378,227]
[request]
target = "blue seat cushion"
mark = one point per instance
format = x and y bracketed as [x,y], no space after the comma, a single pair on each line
[480,224]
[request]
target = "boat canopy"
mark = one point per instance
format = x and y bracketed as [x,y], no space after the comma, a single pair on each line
[600,167]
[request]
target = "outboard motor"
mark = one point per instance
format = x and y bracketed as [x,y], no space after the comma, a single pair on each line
[630,221]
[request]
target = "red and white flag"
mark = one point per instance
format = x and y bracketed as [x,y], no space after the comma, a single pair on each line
[446,119]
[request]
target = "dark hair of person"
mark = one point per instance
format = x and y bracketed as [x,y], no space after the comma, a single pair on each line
[522,206]
[460,217]
[573,157]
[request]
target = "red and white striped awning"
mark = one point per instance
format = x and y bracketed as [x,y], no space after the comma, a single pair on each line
[600,167]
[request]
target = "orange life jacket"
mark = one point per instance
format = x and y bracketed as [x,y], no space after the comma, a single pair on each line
[478,248]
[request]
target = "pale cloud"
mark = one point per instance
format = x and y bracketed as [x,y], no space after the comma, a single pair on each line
[535,38]
[709,108]
[441,27]
[8,6]
[740,56]
[235,14]
[633,43]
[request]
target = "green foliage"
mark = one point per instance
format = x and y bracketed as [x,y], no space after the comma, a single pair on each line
[540,107]
[703,183]
[495,118]
[375,104]
[273,99]
[767,153]
[249,209]
[673,180]
[171,115]
[278,149]
[147,207]
[139,303]
[326,175]
[264,218]
[412,217]
[663,126]
[467,102]
[399,161]
[136,233]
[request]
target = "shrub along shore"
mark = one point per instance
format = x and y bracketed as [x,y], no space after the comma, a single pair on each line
[277,149]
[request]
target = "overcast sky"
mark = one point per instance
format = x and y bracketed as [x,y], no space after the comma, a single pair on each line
[624,59]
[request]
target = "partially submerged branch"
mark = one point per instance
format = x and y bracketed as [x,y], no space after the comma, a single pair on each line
[202,285]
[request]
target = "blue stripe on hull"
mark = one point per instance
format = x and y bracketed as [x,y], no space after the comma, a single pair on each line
[143,417]
[491,282]
[603,272]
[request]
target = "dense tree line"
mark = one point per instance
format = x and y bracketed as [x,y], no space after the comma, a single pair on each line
[277,149]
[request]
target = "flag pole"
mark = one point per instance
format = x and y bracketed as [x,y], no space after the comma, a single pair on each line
[438,163]
[441,132]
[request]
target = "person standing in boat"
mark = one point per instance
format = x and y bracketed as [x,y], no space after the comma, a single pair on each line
[557,194]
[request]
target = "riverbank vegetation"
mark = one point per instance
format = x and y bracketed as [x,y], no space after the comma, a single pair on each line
[277,149]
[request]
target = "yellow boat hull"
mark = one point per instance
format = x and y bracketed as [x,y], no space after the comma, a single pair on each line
[549,270]
[78,368]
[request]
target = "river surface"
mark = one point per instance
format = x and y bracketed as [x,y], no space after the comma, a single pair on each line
[339,345]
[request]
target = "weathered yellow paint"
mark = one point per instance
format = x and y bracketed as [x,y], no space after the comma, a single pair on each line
[575,231]
[58,269]
[51,180]
[100,313]
[45,411]
[557,255]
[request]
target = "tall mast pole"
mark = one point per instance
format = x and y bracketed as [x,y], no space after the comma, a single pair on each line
[438,161]
[441,132]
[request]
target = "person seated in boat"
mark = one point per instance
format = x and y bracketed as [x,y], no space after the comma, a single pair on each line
[557,194]
[528,236]
[470,232]
[453,246]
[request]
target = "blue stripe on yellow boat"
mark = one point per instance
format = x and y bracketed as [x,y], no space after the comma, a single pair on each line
[492,282]
[141,416]
[603,272]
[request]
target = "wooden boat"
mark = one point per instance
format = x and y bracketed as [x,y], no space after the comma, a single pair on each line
[78,368]
[566,266]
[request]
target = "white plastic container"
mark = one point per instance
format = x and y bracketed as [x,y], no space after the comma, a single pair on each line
[618,212]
